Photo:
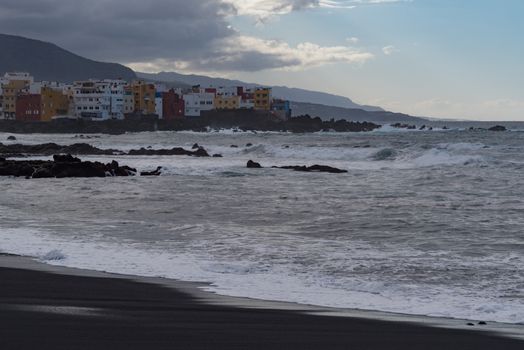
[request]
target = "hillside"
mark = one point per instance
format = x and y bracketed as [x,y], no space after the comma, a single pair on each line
[292,94]
[352,114]
[46,61]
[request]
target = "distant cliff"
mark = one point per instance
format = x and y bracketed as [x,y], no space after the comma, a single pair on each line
[46,61]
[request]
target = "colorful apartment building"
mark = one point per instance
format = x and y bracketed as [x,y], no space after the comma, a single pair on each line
[173,105]
[223,102]
[13,84]
[28,107]
[144,95]
[263,99]
[54,103]
[99,99]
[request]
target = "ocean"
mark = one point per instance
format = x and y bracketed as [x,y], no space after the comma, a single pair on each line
[424,222]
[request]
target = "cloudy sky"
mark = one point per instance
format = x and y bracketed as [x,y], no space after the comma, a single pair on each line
[440,58]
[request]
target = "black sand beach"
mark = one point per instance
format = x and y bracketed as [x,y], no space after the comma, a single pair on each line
[42,310]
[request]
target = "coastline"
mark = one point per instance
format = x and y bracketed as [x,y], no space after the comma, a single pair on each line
[173,306]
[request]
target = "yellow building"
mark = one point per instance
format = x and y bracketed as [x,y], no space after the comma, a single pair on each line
[263,99]
[10,92]
[54,103]
[144,97]
[222,102]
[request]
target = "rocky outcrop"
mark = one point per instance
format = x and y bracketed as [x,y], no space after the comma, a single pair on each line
[177,151]
[498,128]
[48,149]
[156,172]
[314,169]
[301,168]
[253,165]
[62,166]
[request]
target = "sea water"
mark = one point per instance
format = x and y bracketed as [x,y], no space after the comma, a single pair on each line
[424,223]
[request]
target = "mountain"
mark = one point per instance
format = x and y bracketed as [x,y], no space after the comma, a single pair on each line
[283,92]
[48,62]
[353,114]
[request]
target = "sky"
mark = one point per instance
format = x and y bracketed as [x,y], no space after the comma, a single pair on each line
[456,59]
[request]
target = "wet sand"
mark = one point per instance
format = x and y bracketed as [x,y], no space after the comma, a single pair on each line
[57,310]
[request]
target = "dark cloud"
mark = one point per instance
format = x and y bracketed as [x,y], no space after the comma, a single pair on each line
[121,30]
[195,35]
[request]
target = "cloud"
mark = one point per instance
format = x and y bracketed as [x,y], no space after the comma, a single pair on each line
[389,50]
[177,34]
[246,53]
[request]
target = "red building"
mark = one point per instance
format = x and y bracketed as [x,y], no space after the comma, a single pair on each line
[173,106]
[29,107]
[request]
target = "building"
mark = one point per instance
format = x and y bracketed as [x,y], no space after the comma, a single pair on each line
[12,85]
[129,100]
[223,102]
[263,99]
[54,103]
[248,98]
[28,107]
[144,96]
[99,99]
[159,106]
[196,103]
[173,106]
[281,108]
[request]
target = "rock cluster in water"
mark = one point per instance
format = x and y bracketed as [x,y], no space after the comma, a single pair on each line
[62,166]
[48,149]
[301,168]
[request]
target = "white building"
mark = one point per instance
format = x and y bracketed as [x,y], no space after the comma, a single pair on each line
[159,106]
[228,91]
[197,102]
[99,99]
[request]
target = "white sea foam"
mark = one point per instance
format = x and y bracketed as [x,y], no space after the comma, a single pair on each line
[280,281]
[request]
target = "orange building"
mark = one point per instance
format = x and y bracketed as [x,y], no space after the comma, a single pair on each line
[144,95]
[263,99]
[54,103]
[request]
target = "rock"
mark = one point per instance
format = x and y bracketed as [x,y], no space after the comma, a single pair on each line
[177,151]
[66,159]
[195,146]
[11,138]
[234,146]
[156,172]
[42,173]
[482,323]
[217,156]
[64,166]
[498,128]
[2,160]
[314,169]
[423,127]
[470,324]
[253,165]
[249,145]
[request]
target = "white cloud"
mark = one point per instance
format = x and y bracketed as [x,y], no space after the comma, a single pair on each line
[353,40]
[389,50]
[246,53]
[264,9]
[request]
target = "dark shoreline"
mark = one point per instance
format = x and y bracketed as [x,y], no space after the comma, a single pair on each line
[241,120]
[44,310]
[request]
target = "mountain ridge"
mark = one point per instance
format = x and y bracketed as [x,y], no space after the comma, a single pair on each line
[283,92]
[49,62]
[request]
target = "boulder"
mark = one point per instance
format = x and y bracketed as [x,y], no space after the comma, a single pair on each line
[217,156]
[195,146]
[11,138]
[156,172]
[68,158]
[253,165]
[314,169]
[498,128]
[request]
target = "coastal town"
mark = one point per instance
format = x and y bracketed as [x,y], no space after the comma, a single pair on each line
[24,99]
